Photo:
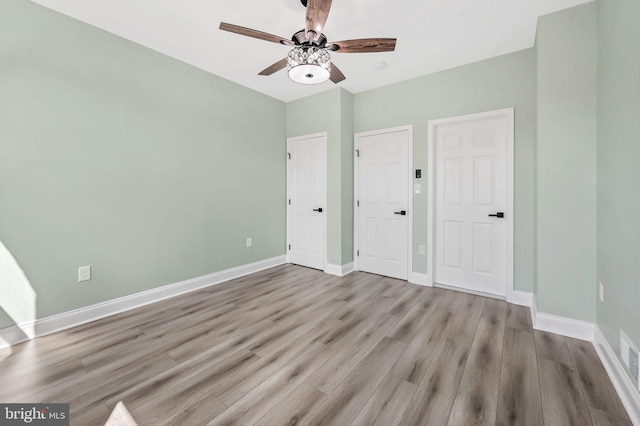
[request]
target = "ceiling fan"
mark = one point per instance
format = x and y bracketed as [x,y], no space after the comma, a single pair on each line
[310,62]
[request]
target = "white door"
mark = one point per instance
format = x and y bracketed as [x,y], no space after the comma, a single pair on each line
[306,200]
[472,204]
[382,209]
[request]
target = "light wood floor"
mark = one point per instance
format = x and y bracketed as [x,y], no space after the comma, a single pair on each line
[292,346]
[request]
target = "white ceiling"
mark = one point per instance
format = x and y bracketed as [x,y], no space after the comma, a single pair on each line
[433,35]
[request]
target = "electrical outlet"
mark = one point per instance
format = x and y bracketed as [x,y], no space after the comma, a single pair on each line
[422,249]
[84,273]
[249,242]
[601,292]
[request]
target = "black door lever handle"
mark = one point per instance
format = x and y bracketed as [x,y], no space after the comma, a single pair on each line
[499,214]
[401,212]
[319,210]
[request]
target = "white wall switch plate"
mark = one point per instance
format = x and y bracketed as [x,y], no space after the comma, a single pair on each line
[249,242]
[417,188]
[84,273]
[422,249]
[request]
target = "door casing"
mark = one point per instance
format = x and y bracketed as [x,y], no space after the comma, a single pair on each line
[357,136]
[432,125]
[289,224]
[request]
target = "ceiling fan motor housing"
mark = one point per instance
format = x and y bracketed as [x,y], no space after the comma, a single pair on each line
[300,39]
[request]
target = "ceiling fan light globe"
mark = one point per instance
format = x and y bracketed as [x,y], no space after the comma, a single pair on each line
[309,74]
[309,65]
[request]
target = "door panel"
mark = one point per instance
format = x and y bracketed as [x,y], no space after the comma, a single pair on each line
[452,244]
[306,191]
[470,182]
[383,179]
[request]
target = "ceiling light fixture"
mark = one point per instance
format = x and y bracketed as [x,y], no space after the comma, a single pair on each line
[309,65]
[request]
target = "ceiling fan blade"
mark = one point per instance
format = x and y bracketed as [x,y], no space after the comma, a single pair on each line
[274,68]
[317,14]
[364,45]
[336,75]
[253,33]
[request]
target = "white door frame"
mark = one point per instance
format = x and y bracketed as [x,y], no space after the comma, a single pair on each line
[432,125]
[356,137]
[286,201]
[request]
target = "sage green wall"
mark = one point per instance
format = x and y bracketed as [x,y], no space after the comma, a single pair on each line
[346,144]
[330,111]
[566,163]
[505,81]
[618,213]
[146,168]
[113,155]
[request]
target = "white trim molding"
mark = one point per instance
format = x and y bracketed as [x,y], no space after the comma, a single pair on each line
[564,326]
[289,222]
[12,336]
[508,114]
[333,269]
[534,309]
[420,279]
[520,298]
[356,137]
[584,330]
[337,270]
[41,327]
[569,327]
[625,388]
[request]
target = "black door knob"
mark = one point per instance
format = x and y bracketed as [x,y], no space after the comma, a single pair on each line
[319,210]
[401,212]
[499,214]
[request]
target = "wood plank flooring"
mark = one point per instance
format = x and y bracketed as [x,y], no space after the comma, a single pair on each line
[294,346]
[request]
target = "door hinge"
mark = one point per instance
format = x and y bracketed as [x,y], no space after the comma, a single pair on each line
[357,153]
[358,203]
[358,251]
[289,201]
[289,155]
[289,246]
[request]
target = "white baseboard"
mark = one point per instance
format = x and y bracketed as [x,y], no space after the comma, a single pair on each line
[348,268]
[339,271]
[420,279]
[583,330]
[333,269]
[520,298]
[629,396]
[533,309]
[66,320]
[569,327]
[564,326]
[12,336]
